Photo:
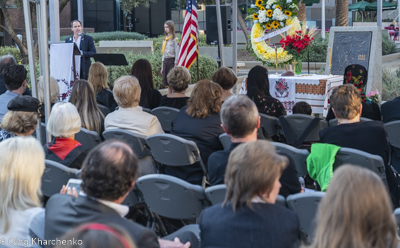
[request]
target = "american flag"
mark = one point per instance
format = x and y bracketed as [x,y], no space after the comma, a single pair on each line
[189,51]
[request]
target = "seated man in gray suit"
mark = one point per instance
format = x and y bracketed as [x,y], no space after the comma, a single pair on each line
[108,175]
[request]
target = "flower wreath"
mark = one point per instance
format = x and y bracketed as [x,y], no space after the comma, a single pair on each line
[273,14]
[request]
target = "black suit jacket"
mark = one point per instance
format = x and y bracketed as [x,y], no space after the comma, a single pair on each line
[3,88]
[391,112]
[64,212]
[218,161]
[269,225]
[369,137]
[88,48]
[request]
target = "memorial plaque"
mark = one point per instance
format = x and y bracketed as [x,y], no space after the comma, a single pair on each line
[350,48]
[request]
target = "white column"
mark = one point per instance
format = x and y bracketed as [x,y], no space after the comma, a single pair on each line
[234,28]
[323,19]
[80,12]
[220,37]
[379,12]
[54,11]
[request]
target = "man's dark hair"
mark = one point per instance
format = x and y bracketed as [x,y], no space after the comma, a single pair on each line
[302,108]
[7,60]
[109,170]
[14,76]
[72,22]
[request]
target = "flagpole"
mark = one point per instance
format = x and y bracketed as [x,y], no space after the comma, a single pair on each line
[198,77]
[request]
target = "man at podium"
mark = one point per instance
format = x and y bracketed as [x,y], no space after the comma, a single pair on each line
[87,48]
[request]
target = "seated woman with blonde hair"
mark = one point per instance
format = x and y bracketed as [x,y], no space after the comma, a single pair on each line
[178,78]
[249,216]
[21,170]
[130,116]
[226,78]
[355,212]
[21,118]
[64,122]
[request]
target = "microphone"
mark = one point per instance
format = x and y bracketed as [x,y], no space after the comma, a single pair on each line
[81,35]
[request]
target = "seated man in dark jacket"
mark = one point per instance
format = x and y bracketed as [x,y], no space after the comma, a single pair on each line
[366,136]
[240,120]
[108,175]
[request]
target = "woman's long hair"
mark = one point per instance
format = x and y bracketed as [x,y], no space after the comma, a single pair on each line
[355,212]
[205,100]
[98,77]
[83,97]
[21,170]
[141,69]
[258,84]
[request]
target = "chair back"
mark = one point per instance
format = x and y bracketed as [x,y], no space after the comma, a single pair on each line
[298,123]
[216,194]
[334,122]
[104,110]
[55,176]
[172,197]
[225,140]
[87,138]
[165,116]
[134,197]
[360,158]
[397,217]
[393,133]
[298,155]
[281,200]
[270,124]
[147,110]
[305,205]
[135,141]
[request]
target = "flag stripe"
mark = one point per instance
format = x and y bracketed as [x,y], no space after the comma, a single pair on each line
[188,51]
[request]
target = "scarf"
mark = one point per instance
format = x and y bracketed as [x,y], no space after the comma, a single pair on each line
[165,43]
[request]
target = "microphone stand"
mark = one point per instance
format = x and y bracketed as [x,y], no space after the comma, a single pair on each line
[83,56]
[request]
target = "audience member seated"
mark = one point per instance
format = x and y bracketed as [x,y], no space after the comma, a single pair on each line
[240,120]
[54,92]
[108,175]
[396,33]
[199,121]
[5,61]
[21,170]
[357,75]
[21,118]
[249,216]
[64,122]
[226,78]
[258,91]
[366,136]
[99,236]
[355,212]
[15,79]
[178,79]
[302,108]
[84,99]
[129,116]
[98,77]
[149,97]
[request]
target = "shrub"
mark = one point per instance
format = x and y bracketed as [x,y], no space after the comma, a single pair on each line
[12,50]
[317,50]
[117,35]
[388,46]
[390,84]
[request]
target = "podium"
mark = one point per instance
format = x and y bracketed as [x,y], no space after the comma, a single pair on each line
[65,66]
[113,59]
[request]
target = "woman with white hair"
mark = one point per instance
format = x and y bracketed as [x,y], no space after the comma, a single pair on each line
[64,122]
[21,170]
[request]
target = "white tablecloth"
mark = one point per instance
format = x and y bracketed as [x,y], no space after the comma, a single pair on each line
[314,89]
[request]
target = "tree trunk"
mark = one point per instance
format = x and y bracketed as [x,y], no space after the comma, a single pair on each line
[243,26]
[342,13]
[10,30]
[301,13]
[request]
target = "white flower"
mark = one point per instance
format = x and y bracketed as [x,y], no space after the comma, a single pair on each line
[267,7]
[267,20]
[255,21]
[270,2]
[288,1]
[293,6]
[278,15]
[281,23]
[252,5]
[262,15]
[274,6]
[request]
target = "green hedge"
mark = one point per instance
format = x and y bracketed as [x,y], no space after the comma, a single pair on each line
[117,35]
[388,46]
[390,84]
[12,50]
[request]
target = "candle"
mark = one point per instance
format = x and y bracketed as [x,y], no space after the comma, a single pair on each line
[330,56]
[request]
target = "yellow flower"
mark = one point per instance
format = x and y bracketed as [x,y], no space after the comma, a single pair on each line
[19,62]
[278,7]
[255,16]
[275,24]
[268,26]
[269,12]
[262,8]
[259,3]
[288,13]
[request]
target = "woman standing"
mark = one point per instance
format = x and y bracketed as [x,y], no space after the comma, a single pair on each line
[170,51]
